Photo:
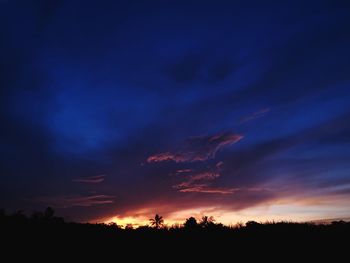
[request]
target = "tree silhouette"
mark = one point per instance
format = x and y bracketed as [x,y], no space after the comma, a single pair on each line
[157,221]
[252,224]
[207,221]
[129,227]
[49,212]
[2,215]
[191,223]
[37,215]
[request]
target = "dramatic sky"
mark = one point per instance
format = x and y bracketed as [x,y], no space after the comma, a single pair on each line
[117,110]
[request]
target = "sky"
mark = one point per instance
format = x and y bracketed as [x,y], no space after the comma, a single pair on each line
[118,110]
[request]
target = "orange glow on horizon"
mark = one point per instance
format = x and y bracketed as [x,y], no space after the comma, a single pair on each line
[281,210]
[124,221]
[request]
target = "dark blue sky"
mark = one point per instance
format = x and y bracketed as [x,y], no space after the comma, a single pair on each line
[127,108]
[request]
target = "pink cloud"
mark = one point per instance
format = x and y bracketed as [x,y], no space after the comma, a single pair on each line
[184,171]
[219,165]
[167,156]
[205,188]
[200,148]
[258,114]
[199,177]
[208,190]
[91,179]
[199,181]
[205,176]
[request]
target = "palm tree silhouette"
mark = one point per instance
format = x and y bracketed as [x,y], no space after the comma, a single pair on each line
[157,221]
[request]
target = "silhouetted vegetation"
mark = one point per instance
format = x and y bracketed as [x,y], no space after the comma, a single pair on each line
[45,230]
[157,221]
[191,223]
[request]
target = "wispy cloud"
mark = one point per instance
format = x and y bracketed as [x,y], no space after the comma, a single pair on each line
[77,200]
[208,190]
[201,177]
[167,156]
[200,148]
[257,114]
[91,179]
[200,182]
[184,171]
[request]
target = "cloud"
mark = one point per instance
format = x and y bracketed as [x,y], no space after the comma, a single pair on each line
[201,177]
[208,190]
[184,171]
[167,156]
[219,165]
[91,179]
[200,148]
[255,115]
[77,200]
[200,182]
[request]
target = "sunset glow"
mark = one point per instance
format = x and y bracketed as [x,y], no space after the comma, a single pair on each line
[115,111]
[282,210]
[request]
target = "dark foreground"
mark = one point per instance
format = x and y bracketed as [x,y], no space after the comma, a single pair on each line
[23,237]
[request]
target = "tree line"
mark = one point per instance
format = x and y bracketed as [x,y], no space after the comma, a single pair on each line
[156,223]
